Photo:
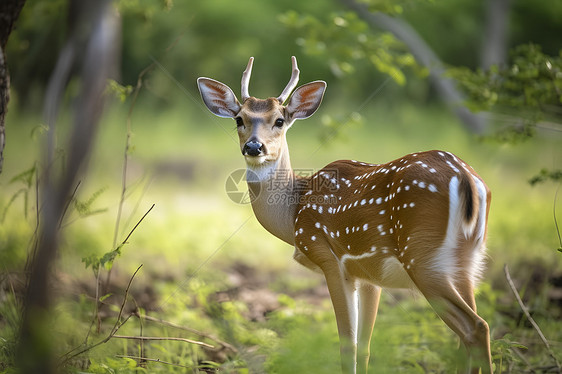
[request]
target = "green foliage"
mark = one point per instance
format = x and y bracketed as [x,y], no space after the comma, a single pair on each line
[306,348]
[84,208]
[546,175]
[118,90]
[504,352]
[27,178]
[113,366]
[532,82]
[343,40]
[393,7]
[9,328]
[516,132]
[530,87]
[144,9]
[105,260]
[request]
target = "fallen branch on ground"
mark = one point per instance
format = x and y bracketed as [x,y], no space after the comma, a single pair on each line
[154,360]
[529,317]
[191,330]
[118,324]
[164,338]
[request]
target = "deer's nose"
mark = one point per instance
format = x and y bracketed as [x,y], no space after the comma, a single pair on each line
[253,148]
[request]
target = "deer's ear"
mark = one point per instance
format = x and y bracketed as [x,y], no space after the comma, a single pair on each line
[306,99]
[218,97]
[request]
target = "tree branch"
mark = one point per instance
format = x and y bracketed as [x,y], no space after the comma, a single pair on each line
[528,315]
[164,338]
[446,87]
[34,353]
[189,329]
[118,324]
[155,360]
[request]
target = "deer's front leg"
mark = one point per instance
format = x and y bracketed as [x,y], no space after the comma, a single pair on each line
[368,298]
[343,293]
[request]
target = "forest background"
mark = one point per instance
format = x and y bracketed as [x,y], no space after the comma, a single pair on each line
[155,265]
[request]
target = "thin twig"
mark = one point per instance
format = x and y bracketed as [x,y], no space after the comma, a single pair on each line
[97,309]
[98,276]
[118,324]
[189,329]
[524,359]
[555,221]
[137,225]
[146,184]
[34,240]
[164,338]
[142,362]
[137,89]
[155,360]
[528,315]
[67,205]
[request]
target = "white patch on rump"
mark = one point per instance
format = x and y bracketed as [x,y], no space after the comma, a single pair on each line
[476,267]
[445,260]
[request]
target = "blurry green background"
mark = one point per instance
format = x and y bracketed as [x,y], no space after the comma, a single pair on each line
[208,264]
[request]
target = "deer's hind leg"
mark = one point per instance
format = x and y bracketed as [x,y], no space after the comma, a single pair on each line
[454,303]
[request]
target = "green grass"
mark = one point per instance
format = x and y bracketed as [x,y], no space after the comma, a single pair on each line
[194,239]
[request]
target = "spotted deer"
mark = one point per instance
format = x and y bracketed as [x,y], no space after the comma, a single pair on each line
[417,222]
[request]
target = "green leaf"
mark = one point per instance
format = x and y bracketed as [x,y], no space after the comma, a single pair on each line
[546,175]
[529,87]
[119,91]
[102,298]
[84,208]
[26,176]
[346,41]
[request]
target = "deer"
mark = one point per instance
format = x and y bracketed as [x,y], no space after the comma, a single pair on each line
[418,222]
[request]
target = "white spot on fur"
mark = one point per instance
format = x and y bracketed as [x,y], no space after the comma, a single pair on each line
[453,166]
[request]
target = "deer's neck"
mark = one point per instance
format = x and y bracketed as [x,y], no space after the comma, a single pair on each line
[275,196]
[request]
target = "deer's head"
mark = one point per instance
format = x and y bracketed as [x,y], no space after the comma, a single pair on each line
[262,123]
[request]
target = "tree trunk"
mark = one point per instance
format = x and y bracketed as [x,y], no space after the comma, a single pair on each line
[425,56]
[494,49]
[101,25]
[9,12]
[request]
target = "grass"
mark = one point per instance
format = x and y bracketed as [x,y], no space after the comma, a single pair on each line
[209,266]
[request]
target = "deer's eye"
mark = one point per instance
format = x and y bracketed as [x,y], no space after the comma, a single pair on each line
[279,122]
[239,121]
